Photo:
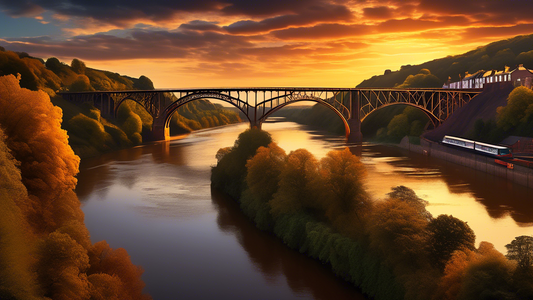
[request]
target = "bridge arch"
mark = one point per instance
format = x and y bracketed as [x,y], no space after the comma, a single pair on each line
[263,117]
[433,119]
[160,127]
[129,98]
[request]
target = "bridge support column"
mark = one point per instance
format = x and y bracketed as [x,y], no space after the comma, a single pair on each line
[255,124]
[159,129]
[355,136]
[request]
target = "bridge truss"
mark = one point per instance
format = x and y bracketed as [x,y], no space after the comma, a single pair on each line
[352,105]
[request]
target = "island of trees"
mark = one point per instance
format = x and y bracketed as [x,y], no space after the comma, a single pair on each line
[391,249]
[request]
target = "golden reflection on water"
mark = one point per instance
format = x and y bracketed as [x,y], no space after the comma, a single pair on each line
[496,212]
[147,180]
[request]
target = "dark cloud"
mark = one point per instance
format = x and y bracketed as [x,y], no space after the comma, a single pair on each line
[496,11]
[122,12]
[322,31]
[141,44]
[200,25]
[378,12]
[478,33]
[406,25]
[307,16]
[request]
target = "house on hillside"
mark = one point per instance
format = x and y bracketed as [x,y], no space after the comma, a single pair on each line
[519,76]
[522,76]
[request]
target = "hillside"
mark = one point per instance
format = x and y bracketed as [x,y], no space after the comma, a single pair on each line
[496,55]
[461,122]
[89,133]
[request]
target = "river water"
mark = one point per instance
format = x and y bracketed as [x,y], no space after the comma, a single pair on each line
[155,201]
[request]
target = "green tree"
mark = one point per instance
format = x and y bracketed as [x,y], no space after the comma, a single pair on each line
[521,250]
[78,66]
[424,79]
[446,235]
[398,127]
[143,83]
[514,113]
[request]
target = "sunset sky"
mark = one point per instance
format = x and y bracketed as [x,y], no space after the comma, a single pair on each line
[238,43]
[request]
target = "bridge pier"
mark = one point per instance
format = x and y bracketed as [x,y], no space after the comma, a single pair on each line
[354,122]
[160,130]
[355,136]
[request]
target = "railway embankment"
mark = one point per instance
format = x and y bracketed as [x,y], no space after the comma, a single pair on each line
[513,173]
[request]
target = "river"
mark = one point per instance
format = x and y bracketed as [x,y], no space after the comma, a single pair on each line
[155,201]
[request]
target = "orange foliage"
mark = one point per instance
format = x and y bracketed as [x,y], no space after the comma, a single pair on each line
[297,184]
[398,231]
[105,287]
[48,164]
[62,266]
[117,262]
[470,274]
[343,174]
[41,193]
[264,170]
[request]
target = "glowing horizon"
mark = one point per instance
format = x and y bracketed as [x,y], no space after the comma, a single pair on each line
[213,43]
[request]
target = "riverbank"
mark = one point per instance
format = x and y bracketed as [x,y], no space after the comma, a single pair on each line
[517,174]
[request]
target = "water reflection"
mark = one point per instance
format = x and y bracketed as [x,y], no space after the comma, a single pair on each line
[273,258]
[156,202]
[496,210]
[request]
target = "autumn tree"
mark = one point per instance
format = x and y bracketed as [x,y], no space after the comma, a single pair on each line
[116,263]
[264,170]
[446,235]
[16,246]
[298,185]
[342,174]
[263,175]
[230,173]
[62,267]
[398,230]
[408,195]
[49,207]
[81,84]
[488,276]
[48,164]
[78,66]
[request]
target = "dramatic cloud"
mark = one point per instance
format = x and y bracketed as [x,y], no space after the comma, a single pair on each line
[379,12]
[248,39]
[310,15]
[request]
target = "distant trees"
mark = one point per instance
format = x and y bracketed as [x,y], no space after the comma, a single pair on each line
[516,118]
[424,79]
[78,66]
[410,122]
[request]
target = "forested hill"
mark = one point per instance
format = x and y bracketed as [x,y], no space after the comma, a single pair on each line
[496,55]
[89,133]
[52,76]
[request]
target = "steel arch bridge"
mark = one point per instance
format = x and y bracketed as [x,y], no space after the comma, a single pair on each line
[352,105]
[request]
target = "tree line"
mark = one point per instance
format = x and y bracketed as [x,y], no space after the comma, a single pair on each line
[391,248]
[45,249]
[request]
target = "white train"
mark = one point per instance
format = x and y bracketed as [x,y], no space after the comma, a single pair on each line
[487,149]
